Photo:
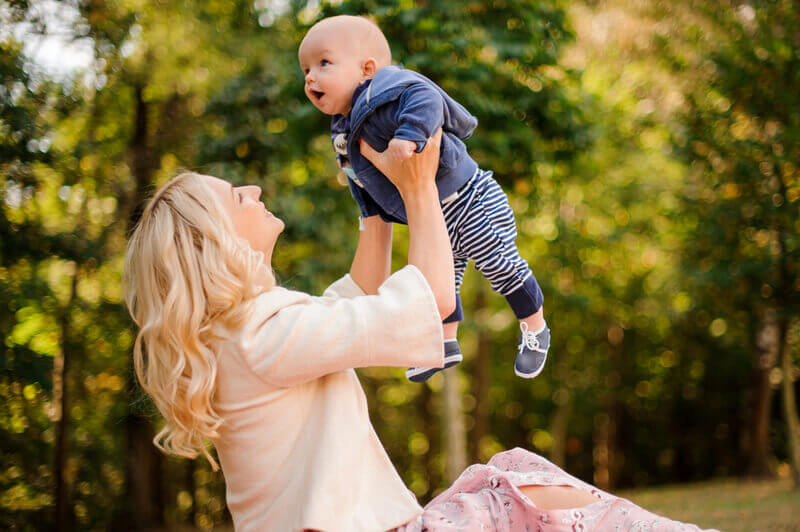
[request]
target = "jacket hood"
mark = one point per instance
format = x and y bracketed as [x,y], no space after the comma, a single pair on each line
[391,81]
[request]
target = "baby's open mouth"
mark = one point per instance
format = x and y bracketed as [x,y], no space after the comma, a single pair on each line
[317,94]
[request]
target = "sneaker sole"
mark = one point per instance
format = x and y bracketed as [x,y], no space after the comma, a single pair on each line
[417,374]
[531,374]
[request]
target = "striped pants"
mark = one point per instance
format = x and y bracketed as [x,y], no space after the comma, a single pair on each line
[481,227]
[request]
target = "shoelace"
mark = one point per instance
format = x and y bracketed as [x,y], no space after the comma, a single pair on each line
[529,338]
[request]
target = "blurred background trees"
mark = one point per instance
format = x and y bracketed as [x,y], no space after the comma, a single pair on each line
[650,151]
[741,141]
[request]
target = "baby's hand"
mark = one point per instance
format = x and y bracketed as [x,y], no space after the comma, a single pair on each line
[399,150]
[410,175]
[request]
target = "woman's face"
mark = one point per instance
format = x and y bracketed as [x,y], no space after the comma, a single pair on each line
[251,219]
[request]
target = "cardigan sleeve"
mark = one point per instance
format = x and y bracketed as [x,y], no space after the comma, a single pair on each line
[399,326]
[344,287]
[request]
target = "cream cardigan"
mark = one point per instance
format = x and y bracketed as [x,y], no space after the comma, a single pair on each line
[297,448]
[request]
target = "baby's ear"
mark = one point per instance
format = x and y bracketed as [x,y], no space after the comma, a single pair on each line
[369,67]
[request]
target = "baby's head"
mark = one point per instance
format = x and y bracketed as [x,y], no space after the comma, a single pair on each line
[336,56]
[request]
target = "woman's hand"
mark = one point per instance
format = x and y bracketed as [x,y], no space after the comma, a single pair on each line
[407,174]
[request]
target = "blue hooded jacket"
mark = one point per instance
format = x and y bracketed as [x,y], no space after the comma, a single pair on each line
[403,104]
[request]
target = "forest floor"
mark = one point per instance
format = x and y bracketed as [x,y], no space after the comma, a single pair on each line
[730,505]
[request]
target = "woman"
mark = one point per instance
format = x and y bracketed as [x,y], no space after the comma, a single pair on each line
[265,373]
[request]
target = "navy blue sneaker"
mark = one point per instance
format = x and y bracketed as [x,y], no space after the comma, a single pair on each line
[452,356]
[532,351]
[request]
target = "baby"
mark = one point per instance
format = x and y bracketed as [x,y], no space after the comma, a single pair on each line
[348,75]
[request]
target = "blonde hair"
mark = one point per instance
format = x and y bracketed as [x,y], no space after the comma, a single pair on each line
[186,273]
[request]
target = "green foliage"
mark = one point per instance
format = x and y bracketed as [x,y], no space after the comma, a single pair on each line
[741,138]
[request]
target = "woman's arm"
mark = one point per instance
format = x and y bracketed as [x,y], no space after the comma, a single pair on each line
[306,338]
[429,245]
[372,261]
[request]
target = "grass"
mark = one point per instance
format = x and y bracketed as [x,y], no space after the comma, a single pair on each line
[729,505]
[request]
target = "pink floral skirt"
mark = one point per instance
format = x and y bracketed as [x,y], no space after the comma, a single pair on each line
[487,497]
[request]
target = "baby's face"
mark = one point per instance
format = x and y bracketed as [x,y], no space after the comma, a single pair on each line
[333,71]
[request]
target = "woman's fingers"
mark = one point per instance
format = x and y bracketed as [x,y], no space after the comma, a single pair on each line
[373,156]
[431,152]
[436,140]
[401,171]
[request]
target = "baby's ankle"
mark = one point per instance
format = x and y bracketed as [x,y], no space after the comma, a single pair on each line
[535,321]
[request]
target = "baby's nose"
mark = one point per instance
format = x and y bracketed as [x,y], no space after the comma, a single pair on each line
[309,76]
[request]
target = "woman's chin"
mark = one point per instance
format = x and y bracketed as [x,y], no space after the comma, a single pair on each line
[277,222]
[271,235]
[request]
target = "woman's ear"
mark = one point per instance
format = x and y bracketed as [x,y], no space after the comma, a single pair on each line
[369,68]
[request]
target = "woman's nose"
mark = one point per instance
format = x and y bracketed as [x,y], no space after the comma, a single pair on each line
[253,191]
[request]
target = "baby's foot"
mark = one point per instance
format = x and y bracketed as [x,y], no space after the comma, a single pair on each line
[452,356]
[532,351]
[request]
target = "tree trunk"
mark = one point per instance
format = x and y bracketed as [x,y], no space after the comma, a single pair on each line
[144,487]
[786,283]
[61,403]
[427,411]
[191,487]
[141,159]
[559,427]
[144,483]
[605,456]
[453,423]
[481,380]
[766,357]
[790,403]
[605,450]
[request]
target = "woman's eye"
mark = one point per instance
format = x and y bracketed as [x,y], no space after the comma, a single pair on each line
[241,198]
